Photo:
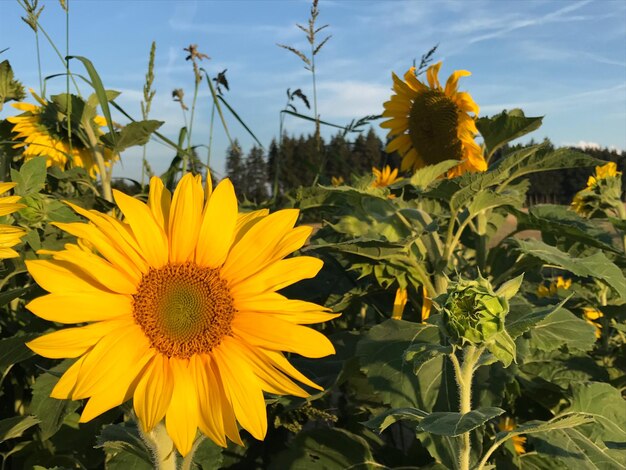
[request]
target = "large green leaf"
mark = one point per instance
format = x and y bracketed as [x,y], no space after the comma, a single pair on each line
[597,265]
[454,424]
[15,426]
[123,437]
[504,127]
[208,455]
[381,354]
[560,328]
[331,448]
[13,350]
[523,316]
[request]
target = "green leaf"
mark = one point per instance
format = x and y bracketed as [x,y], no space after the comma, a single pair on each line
[424,177]
[510,287]
[9,295]
[127,461]
[134,133]
[110,95]
[15,426]
[98,87]
[381,354]
[123,437]
[597,265]
[560,328]
[330,448]
[31,177]
[454,424]
[502,346]
[234,113]
[50,411]
[389,417]
[208,455]
[10,89]
[504,127]
[421,353]
[13,350]
[522,317]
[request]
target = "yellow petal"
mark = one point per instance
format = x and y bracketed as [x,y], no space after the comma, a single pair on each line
[272,380]
[153,392]
[72,342]
[272,333]
[251,253]
[65,386]
[59,276]
[228,414]
[159,201]
[79,307]
[278,275]
[210,405]
[243,391]
[111,360]
[185,216]
[246,221]
[278,360]
[453,81]
[217,230]
[432,75]
[181,419]
[149,235]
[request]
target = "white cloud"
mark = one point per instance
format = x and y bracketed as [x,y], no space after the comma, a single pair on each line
[348,99]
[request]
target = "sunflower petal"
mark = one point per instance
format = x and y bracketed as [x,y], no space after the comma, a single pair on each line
[79,307]
[154,392]
[185,216]
[181,420]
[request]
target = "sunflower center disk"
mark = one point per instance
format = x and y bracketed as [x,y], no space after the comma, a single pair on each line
[433,123]
[184,309]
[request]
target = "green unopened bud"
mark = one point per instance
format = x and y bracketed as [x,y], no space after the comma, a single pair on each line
[473,312]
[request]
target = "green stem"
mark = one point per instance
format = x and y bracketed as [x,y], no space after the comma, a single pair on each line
[191,119]
[481,245]
[464,374]
[105,174]
[188,460]
[208,155]
[161,446]
[39,65]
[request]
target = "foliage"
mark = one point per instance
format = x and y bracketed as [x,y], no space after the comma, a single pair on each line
[477,340]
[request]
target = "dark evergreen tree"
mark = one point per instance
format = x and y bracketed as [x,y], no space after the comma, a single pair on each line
[255,186]
[235,168]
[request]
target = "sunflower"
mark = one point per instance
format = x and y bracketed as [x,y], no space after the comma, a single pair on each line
[430,124]
[399,303]
[39,131]
[603,172]
[384,177]
[602,194]
[182,311]
[9,236]
[553,288]
[591,314]
[508,424]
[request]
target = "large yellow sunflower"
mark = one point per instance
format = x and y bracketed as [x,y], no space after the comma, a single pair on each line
[9,236]
[182,311]
[38,129]
[430,124]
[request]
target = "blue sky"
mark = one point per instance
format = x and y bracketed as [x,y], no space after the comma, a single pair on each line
[562,59]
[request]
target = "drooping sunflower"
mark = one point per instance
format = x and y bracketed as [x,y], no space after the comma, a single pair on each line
[182,311]
[384,177]
[508,424]
[602,194]
[429,124]
[9,235]
[40,133]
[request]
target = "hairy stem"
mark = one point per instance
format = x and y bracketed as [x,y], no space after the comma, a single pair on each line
[161,447]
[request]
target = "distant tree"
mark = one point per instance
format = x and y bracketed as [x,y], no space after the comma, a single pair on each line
[235,168]
[255,185]
[338,159]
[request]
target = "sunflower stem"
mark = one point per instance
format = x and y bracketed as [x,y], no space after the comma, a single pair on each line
[188,460]
[464,374]
[161,446]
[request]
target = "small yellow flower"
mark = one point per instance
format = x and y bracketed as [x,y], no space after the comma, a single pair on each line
[559,283]
[590,314]
[562,283]
[9,236]
[336,181]
[385,177]
[508,424]
[399,303]
[178,307]
[430,123]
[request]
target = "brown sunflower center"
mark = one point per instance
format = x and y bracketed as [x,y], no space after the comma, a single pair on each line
[433,123]
[183,309]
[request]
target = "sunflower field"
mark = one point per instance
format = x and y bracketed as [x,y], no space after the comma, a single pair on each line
[421,315]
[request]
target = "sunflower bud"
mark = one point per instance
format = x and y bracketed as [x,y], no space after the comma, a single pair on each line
[474,314]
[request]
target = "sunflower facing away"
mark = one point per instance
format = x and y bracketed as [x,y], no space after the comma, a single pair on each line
[38,128]
[429,124]
[9,236]
[182,311]
[508,424]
